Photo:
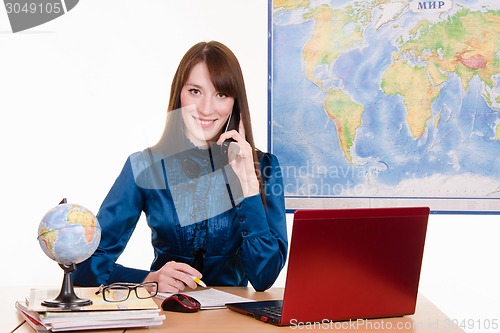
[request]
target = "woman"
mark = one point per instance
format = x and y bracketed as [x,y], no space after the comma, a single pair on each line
[212,216]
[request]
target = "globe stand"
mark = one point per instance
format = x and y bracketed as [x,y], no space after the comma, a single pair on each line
[67,297]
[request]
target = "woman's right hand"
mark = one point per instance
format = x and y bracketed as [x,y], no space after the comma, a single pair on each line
[242,162]
[173,277]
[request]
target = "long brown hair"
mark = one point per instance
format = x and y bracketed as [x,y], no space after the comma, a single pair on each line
[226,76]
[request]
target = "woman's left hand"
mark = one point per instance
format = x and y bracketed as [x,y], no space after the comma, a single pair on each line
[240,156]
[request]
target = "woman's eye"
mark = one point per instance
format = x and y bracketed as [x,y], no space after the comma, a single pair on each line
[194,91]
[222,95]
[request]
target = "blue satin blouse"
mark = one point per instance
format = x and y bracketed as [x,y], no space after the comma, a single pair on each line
[243,239]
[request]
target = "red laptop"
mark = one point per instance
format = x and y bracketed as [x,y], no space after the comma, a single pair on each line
[349,264]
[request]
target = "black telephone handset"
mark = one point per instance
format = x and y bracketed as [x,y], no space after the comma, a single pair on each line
[233,123]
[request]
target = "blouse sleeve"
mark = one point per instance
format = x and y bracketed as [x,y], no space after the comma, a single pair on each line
[263,227]
[118,218]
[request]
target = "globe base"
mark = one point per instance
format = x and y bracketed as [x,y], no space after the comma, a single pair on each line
[67,297]
[65,302]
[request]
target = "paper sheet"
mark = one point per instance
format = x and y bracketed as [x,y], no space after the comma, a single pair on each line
[210,298]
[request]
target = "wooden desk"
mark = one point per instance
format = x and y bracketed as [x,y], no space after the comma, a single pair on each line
[428,318]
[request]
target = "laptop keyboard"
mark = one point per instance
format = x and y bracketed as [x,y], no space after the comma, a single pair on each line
[273,311]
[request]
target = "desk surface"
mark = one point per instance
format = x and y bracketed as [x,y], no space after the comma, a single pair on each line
[428,318]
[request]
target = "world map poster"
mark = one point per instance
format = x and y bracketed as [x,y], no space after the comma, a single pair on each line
[387,103]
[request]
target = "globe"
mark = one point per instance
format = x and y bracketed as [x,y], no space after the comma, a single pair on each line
[69,233]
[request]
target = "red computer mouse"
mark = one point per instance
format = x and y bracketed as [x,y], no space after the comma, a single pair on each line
[180,303]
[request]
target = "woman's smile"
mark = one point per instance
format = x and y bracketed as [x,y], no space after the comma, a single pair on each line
[205,123]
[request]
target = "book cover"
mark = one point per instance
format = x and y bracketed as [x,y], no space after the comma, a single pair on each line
[30,317]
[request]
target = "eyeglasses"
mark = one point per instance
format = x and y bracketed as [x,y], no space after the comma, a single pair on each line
[119,292]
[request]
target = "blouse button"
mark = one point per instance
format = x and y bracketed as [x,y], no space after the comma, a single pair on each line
[242,219]
[244,232]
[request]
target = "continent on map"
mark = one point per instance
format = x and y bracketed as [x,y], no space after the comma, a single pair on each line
[335,32]
[49,238]
[346,114]
[465,44]
[85,220]
[418,93]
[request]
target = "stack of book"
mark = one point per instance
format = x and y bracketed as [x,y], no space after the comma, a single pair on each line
[132,312]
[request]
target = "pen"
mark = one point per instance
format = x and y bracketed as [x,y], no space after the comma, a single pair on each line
[198,281]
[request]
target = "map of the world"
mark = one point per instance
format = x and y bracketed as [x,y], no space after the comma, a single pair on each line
[387,99]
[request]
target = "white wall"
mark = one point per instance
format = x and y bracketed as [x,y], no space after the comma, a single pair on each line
[80,93]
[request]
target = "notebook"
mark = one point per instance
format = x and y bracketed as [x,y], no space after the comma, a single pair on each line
[348,264]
